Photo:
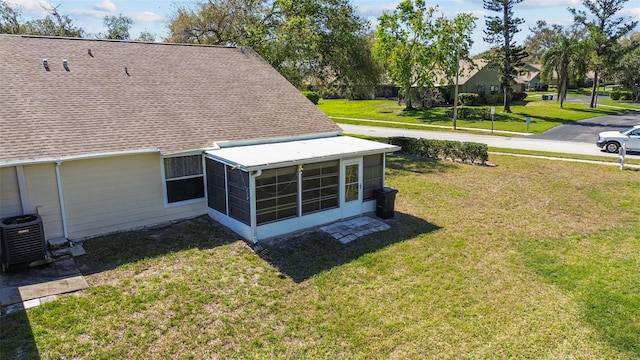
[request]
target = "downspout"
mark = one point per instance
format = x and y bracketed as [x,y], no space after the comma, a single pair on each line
[252,205]
[63,213]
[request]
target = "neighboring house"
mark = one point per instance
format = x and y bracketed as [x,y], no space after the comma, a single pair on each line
[530,79]
[477,77]
[100,136]
[480,78]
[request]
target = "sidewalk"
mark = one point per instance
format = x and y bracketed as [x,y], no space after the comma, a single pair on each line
[513,133]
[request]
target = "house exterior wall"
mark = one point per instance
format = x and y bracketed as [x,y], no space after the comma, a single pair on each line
[42,190]
[10,204]
[255,231]
[112,194]
[485,77]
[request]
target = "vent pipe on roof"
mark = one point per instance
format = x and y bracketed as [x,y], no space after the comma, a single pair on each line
[65,64]
[89,52]
[45,63]
[126,71]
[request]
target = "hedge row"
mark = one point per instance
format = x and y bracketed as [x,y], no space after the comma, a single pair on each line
[443,149]
[490,99]
[622,95]
[471,113]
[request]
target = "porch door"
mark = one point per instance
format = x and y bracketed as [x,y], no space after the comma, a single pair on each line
[351,187]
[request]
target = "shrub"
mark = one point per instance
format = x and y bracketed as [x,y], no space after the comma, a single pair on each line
[615,95]
[626,95]
[519,96]
[312,96]
[493,99]
[330,93]
[468,98]
[445,149]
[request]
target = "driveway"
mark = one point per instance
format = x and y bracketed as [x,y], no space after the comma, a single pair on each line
[587,130]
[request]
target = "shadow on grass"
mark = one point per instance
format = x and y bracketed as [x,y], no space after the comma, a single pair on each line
[606,293]
[302,256]
[420,165]
[109,252]
[16,337]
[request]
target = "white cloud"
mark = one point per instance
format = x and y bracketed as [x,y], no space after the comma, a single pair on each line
[31,8]
[146,17]
[89,13]
[106,6]
[633,13]
[376,10]
[537,4]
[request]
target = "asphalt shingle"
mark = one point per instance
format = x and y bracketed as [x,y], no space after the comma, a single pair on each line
[122,96]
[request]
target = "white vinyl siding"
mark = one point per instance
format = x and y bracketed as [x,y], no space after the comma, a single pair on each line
[42,188]
[10,204]
[117,193]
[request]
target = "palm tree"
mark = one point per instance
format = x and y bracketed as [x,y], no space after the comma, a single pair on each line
[564,58]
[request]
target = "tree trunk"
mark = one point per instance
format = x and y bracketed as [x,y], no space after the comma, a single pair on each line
[507,61]
[594,90]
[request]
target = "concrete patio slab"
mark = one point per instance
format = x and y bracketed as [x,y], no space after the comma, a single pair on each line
[26,285]
[348,230]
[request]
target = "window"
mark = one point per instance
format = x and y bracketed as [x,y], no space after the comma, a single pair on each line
[372,175]
[238,189]
[320,183]
[495,89]
[216,186]
[184,179]
[277,194]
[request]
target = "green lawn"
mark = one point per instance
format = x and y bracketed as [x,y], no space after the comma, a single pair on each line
[526,259]
[543,114]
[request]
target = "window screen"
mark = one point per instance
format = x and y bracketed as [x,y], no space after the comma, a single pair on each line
[184,179]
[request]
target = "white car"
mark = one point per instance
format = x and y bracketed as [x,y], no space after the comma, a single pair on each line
[611,141]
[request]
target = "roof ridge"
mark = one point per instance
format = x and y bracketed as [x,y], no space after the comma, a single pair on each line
[119,41]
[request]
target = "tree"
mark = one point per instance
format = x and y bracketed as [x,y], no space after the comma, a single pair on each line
[417,48]
[9,19]
[54,24]
[500,30]
[146,36]
[604,32]
[565,58]
[627,73]
[117,27]
[541,38]
[303,39]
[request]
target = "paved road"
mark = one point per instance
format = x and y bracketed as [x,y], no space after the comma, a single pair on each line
[587,130]
[577,137]
[525,143]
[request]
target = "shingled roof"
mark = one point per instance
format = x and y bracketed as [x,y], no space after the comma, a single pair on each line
[118,96]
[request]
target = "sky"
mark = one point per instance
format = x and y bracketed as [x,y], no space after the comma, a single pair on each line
[152,15]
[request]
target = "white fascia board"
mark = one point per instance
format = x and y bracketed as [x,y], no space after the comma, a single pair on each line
[78,157]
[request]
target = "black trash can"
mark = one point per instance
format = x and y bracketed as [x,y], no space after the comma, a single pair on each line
[385,200]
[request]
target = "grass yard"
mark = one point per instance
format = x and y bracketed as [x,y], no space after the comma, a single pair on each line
[543,114]
[527,259]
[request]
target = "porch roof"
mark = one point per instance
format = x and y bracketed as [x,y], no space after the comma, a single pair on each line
[274,155]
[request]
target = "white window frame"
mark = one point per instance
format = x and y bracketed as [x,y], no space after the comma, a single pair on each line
[203,175]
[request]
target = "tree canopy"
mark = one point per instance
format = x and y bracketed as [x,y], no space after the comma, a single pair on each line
[418,48]
[627,71]
[117,27]
[500,31]
[565,58]
[604,31]
[60,24]
[307,41]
